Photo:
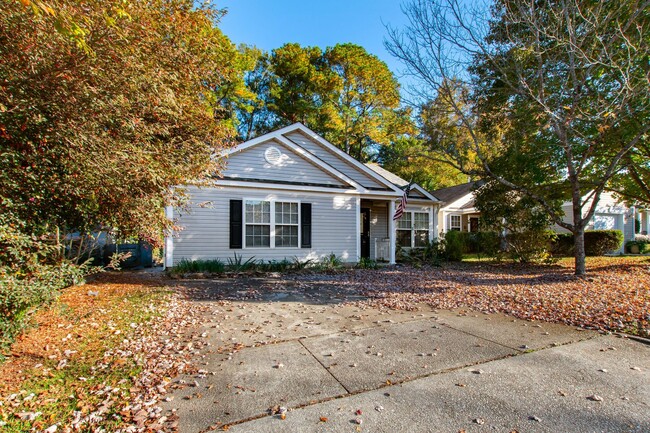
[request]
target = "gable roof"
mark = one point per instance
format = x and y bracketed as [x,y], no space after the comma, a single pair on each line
[453,193]
[343,172]
[398,181]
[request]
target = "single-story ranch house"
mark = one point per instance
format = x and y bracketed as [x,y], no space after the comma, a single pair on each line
[292,194]
[459,213]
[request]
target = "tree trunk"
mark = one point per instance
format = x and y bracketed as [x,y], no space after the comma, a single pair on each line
[579,253]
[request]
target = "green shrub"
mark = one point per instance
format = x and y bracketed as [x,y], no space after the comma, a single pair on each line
[532,246]
[601,242]
[366,263]
[238,264]
[641,241]
[331,262]
[31,274]
[562,245]
[455,245]
[185,266]
[597,242]
[485,243]
[283,265]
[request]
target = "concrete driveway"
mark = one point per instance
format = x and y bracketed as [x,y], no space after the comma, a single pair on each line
[279,345]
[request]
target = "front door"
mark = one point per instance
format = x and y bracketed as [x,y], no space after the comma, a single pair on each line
[473,224]
[365,232]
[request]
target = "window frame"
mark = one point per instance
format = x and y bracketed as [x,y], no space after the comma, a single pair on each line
[272,223]
[413,231]
[458,228]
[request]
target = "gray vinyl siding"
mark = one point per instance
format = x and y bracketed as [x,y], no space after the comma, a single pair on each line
[250,164]
[333,160]
[206,225]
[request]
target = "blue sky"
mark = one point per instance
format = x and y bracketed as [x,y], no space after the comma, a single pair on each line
[269,24]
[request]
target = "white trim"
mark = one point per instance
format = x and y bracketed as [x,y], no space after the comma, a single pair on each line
[417,187]
[431,225]
[319,163]
[169,240]
[388,195]
[460,223]
[391,230]
[279,135]
[338,152]
[412,228]
[358,228]
[460,202]
[272,223]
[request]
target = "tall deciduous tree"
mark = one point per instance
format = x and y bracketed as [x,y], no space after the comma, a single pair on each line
[99,120]
[344,93]
[557,91]
[366,100]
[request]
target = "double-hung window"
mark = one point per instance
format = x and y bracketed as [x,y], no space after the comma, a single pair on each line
[420,229]
[271,224]
[404,230]
[258,223]
[286,224]
[454,222]
[413,229]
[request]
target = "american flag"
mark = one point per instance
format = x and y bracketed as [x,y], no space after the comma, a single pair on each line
[401,206]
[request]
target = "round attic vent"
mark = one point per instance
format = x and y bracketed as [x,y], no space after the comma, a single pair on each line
[273,155]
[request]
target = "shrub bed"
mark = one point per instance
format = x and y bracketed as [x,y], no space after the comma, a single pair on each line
[597,242]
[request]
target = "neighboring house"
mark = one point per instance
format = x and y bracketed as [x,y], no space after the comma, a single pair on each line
[459,213]
[611,214]
[291,194]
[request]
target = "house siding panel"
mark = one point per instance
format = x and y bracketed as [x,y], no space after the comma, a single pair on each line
[330,158]
[206,223]
[251,164]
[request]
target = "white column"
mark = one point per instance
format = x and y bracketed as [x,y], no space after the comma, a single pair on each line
[169,241]
[358,223]
[391,230]
[432,222]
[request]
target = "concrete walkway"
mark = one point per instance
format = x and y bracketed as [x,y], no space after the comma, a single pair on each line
[342,368]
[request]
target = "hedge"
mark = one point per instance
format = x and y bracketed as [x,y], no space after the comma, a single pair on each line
[597,242]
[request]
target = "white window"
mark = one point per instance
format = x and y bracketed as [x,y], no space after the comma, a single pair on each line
[404,230]
[413,230]
[271,224]
[454,222]
[420,229]
[286,224]
[258,223]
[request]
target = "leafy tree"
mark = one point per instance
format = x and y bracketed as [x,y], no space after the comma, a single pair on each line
[556,93]
[300,85]
[633,182]
[344,93]
[408,158]
[96,129]
[365,108]
[524,221]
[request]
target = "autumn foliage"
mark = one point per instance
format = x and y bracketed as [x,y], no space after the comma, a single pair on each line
[104,106]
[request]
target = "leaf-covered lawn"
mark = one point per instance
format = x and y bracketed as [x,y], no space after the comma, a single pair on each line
[615,295]
[98,359]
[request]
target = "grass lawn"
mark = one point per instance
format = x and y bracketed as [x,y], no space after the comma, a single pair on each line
[79,365]
[614,296]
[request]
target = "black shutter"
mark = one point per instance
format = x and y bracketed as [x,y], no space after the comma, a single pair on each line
[236,220]
[305,225]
